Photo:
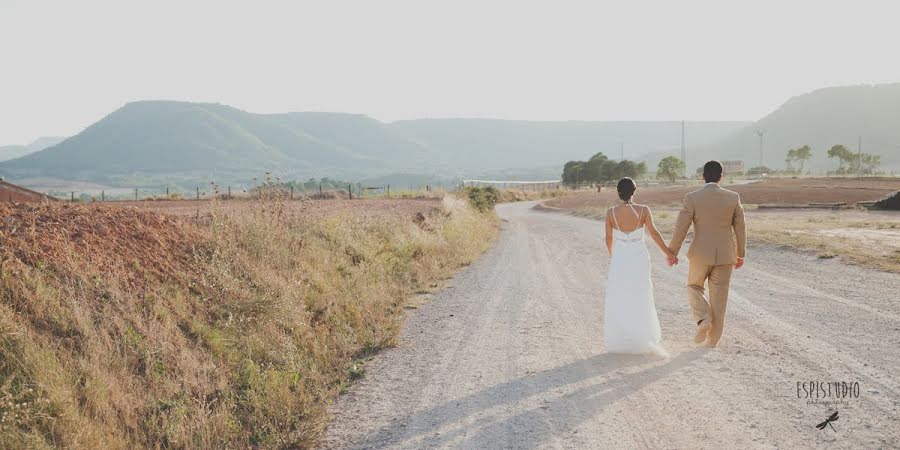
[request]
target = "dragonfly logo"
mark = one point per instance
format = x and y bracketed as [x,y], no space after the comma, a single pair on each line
[828,421]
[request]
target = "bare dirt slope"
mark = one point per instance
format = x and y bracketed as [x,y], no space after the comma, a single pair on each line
[511,356]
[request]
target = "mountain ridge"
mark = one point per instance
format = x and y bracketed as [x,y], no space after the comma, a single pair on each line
[821,119]
[8,152]
[172,140]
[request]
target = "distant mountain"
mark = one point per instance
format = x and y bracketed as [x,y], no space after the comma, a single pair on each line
[491,145]
[8,152]
[153,142]
[160,137]
[820,119]
[165,142]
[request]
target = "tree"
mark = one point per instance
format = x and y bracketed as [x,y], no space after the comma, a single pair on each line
[864,163]
[871,162]
[790,157]
[803,154]
[641,169]
[670,167]
[842,154]
[572,172]
[599,156]
[600,169]
[625,168]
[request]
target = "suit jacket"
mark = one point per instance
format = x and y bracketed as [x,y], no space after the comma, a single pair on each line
[720,236]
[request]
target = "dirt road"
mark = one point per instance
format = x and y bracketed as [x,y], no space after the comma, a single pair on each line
[511,356]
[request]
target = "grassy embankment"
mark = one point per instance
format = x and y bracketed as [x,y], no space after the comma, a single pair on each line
[126,328]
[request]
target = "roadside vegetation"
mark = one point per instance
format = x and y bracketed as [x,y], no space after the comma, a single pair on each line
[123,328]
[485,198]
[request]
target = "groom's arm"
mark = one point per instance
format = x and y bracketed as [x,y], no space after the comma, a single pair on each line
[682,225]
[740,229]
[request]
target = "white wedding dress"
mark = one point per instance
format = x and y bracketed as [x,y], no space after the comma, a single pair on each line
[631,324]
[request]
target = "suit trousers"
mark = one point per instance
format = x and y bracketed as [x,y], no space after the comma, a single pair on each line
[713,308]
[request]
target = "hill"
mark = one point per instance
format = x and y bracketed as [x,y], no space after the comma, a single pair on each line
[162,138]
[164,141]
[8,152]
[821,119]
[493,145]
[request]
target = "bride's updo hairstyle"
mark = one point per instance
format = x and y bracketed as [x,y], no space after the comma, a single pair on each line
[626,188]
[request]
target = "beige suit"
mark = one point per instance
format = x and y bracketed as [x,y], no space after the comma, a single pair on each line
[719,239]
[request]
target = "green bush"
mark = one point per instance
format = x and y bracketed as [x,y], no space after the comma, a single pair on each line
[483,199]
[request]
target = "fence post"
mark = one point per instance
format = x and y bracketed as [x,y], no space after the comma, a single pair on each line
[229,192]
[388,191]
[167,192]
[198,192]
[292,192]
[135,194]
[320,190]
[350,191]
[73,197]
[103,195]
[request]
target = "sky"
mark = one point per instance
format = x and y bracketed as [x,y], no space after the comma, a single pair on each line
[66,64]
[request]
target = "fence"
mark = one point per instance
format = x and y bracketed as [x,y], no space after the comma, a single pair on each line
[213,191]
[535,186]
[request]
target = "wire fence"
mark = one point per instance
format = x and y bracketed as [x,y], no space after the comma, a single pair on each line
[286,191]
[531,186]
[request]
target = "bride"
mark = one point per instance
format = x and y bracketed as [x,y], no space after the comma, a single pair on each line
[631,324]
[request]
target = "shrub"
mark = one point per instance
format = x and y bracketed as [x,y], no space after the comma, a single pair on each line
[482,199]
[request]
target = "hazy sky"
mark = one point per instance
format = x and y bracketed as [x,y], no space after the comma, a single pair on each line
[66,64]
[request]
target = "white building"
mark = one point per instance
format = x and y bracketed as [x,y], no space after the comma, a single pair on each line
[733,167]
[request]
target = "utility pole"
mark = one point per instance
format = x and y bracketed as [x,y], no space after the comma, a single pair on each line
[760,133]
[683,154]
[859,157]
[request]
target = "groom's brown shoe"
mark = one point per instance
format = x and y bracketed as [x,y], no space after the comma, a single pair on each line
[702,331]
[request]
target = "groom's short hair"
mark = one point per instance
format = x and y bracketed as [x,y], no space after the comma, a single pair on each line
[712,171]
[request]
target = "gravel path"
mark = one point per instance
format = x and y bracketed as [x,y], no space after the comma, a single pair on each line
[511,356]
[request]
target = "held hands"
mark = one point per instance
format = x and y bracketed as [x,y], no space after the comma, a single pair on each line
[671,258]
[739,263]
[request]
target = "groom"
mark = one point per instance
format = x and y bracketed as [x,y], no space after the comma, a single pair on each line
[718,219]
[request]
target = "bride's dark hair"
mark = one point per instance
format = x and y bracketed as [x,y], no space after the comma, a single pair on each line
[626,188]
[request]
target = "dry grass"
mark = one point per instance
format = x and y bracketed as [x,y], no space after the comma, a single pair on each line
[518,195]
[866,238]
[123,328]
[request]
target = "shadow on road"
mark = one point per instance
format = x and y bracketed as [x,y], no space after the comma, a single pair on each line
[571,407]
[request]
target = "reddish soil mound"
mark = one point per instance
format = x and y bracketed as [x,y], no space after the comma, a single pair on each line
[135,246]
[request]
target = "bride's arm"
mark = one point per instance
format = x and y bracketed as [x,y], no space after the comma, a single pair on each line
[609,232]
[654,233]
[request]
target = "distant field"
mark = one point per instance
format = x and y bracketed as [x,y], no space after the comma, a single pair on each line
[773,191]
[868,238]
